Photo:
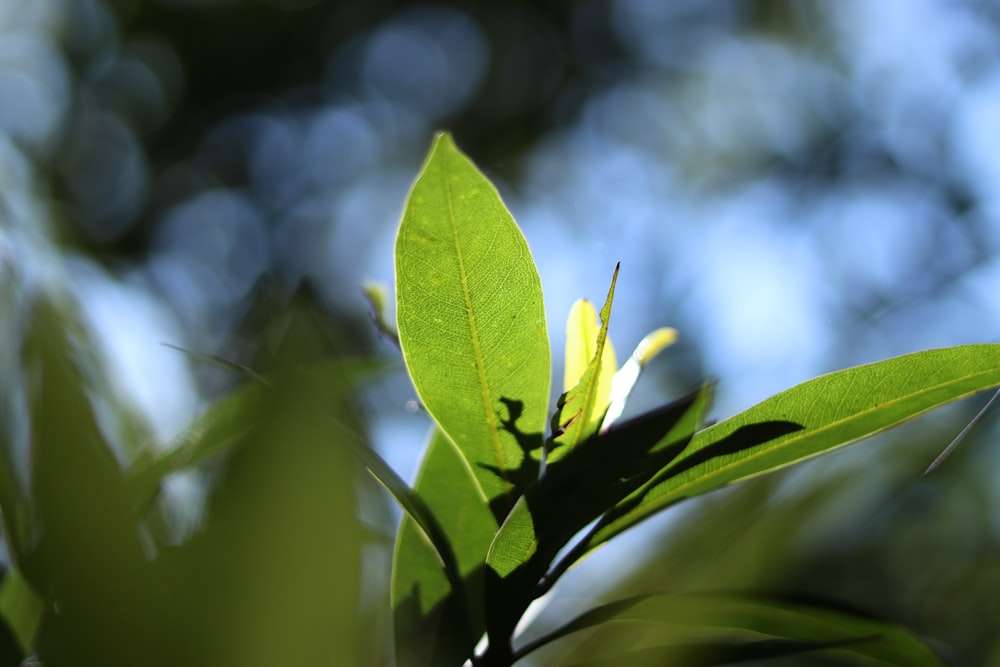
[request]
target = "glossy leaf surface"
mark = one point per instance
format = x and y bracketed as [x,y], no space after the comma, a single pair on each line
[623,381]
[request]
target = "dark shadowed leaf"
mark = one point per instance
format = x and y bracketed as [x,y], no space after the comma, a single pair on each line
[434,623]
[577,489]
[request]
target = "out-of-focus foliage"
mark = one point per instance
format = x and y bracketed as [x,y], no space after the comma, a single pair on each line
[96,570]
[796,186]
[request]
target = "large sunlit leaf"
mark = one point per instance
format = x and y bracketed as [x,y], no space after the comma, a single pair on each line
[814,417]
[582,406]
[434,624]
[471,322]
[707,629]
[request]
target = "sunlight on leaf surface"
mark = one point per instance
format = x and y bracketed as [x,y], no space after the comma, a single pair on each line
[472,323]
[582,407]
[833,410]
[582,331]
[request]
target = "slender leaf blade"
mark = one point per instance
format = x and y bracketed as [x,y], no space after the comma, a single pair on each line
[434,624]
[21,608]
[813,625]
[471,322]
[582,407]
[816,416]
[583,328]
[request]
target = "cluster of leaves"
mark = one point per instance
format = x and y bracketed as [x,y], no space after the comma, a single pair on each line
[500,511]
[95,573]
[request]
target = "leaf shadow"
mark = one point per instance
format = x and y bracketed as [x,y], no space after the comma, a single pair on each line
[445,634]
[742,439]
[526,474]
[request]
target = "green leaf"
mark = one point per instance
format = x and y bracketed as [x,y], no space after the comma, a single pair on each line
[434,624]
[582,407]
[592,479]
[816,416]
[471,322]
[704,653]
[221,362]
[21,608]
[583,328]
[227,424]
[81,504]
[714,621]
[577,489]
[215,431]
[281,546]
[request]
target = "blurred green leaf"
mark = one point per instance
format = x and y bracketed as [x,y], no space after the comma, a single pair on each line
[274,575]
[434,623]
[472,323]
[819,415]
[214,432]
[21,609]
[85,555]
[583,405]
[704,628]
[707,653]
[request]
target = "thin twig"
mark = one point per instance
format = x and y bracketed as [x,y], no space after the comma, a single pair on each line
[961,436]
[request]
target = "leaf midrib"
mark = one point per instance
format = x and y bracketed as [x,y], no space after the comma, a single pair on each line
[474,331]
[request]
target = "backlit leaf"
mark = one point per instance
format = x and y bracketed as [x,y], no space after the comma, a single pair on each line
[471,322]
[816,416]
[582,406]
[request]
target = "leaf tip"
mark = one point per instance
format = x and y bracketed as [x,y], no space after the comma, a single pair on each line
[443,138]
